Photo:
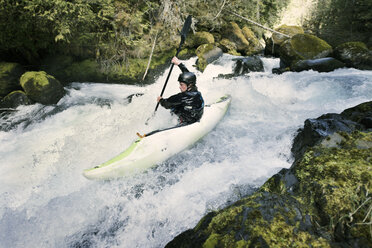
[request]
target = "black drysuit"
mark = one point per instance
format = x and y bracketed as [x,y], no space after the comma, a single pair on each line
[188,105]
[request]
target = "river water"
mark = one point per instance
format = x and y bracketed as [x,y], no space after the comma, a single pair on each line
[46,202]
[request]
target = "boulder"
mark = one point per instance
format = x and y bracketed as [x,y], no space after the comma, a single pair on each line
[273,43]
[9,77]
[255,46]
[248,64]
[321,65]
[280,70]
[323,200]
[354,54]
[15,99]
[41,87]
[207,53]
[228,46]
[235,34]
[199,38]
[302,47]
[315,130]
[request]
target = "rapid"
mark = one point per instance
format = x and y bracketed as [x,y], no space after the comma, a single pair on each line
[46,202]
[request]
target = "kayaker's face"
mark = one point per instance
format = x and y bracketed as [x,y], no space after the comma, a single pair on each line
[183,87]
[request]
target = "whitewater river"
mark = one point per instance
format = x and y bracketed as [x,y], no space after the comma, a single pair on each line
[46,202]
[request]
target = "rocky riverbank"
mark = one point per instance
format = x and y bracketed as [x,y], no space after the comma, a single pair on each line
[323,200]
[297,51]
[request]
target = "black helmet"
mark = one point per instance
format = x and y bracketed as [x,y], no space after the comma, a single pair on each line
[187,78]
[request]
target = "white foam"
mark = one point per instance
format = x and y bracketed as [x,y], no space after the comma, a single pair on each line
[46,202]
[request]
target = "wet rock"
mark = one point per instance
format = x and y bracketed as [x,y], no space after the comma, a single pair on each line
[255,46]
[321,65]
[228,46]
[354,54]
[235,34]
[280,70]
[315,130]
[207,53]
[273,43]
[199,38]
[237,41]
[41,87]
[248,64]
[303,47]
[15,99]
[9,77]
[321,201]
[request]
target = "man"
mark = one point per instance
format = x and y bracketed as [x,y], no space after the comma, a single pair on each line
[188,105]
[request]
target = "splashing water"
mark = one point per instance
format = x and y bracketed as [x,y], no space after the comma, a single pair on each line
[46,202]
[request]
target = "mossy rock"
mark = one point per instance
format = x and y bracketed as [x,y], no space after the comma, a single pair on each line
[9,77]
[41,87]
[337,184]
[315,130]
[248,64]
[323,200]
[273,43]
[289,30]
[261,220]
[199,38]
[255,46]
[326,208]
[234,33]
[15,99]
[321,65]
[207,53]
[354,54]
[228,46]
[302,47]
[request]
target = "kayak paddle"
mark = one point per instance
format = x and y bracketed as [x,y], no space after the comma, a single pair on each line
[184,31]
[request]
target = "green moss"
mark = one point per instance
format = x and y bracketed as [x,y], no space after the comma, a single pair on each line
[228,46]
[288,30]
[84,71]
[6,67]
[309,46]
[254,44]
[90,70]
[200,51]
[302,47]
[212,241]
[274,185]
[39,77]
[224,219]
[354,45]
[336,180]
[200,38]
[236,35]
[9,77]
[280,234]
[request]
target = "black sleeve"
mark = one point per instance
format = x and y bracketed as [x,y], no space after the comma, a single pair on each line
[183,68]
[172,101]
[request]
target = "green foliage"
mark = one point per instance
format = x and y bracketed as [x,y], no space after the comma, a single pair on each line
[113,32]
[30,28]
[339,21]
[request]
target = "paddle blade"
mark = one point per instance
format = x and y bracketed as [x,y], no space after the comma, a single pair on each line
[185,29]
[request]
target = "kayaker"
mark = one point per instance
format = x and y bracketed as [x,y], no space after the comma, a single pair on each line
[188,105]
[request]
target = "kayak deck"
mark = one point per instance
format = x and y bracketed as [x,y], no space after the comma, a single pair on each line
[150,150]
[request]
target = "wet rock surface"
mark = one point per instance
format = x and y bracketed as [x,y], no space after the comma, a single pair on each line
[323,200]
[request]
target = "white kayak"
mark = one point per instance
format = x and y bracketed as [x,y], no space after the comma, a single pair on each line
[153,149]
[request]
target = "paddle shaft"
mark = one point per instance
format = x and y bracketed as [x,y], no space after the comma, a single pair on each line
[184,31]
[166,81]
